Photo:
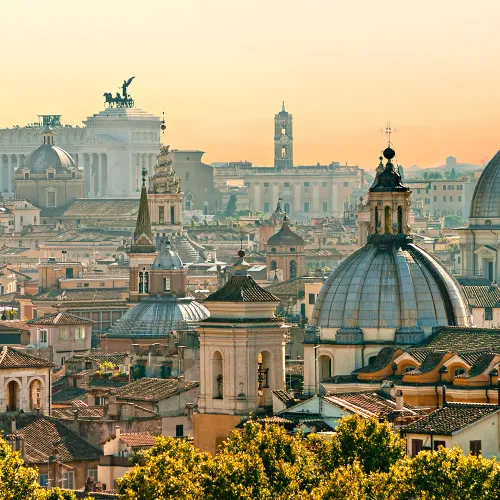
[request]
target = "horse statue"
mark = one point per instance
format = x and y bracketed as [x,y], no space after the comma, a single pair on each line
[109,100]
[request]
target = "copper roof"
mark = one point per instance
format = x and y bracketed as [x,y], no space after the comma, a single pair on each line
[285,236]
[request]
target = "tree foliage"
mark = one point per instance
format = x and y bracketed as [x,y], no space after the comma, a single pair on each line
[231,205]
[364,459]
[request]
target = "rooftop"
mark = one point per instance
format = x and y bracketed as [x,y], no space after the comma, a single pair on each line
[14,358]
[60,318]
[152,389]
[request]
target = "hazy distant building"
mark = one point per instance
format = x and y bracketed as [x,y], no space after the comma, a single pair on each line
[451,162]
[283,139]
[197,180]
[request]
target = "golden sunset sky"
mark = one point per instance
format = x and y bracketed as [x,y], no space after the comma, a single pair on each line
[220,69]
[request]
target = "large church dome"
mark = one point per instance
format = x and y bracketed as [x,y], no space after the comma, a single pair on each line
[390,287]
[48,155]
[486,198]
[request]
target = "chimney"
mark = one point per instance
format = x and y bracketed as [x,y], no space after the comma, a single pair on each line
[75,414]
[13,425]
[118,431]
[444,396]
[180,382]
[399,400]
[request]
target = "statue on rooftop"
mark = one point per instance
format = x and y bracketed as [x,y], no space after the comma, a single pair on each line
[120,101]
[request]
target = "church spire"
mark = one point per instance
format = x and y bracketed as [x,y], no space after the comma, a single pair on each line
[143,235]
[283,107]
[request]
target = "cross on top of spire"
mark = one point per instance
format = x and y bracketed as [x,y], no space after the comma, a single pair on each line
[388,131]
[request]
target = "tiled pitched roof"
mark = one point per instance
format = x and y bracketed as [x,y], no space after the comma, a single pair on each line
[317,425]
[14,358]
[450,419]
[242,289]
[152,389]
[13,323]
[68,395]
[295,287]
[93,294]
[285,236]
[44,437]
[96,412]
[432,359]
[103,208]
[482,296]
[134,439]
[368,403]
[60,318]
[456,339]
[294,367]
[383,358]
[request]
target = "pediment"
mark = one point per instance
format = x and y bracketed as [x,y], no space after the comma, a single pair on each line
[486,251]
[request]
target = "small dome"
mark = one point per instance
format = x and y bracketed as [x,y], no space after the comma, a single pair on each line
[387,287]
[155,317]
[167,259]
[486,197]
[285,236]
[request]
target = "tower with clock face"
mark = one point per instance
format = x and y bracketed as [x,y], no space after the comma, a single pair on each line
[283,139]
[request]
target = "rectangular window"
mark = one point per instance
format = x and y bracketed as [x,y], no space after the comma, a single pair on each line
[437,444]
[444,198]
[22,219]
[43,336]
[43,480]
[79,333]
[68,480]
[459,187]
[346,184]
[306,206]
[459,198]
[287,184]
[266,207]
[179,430]
[69,272]
[444,187]
[475,447]
[451,188]
[64,333]
[312,297]
[306,184]
[325,206]
[161,215]
[416,446]
[324,184]
[26,175]
[51,198]
[488,313]
[79,285]
[166,284]
[435,187]
[63,360]
[266,184]
[427,201]
[451,198]
[85,285]
[92,473]
[50,175]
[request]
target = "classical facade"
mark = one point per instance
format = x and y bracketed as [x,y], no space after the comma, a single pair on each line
[48,177]
[389,292]
[283,139]
[480,241]
[242,356]
[111,148]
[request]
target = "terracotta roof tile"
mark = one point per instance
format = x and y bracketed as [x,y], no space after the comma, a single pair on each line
[450,419]
[60,318]
[482,296]
[134,439]
[14,358]
[152,389]
[13,323]
[68,445]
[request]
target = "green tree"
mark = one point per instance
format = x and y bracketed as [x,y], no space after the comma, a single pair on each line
[231,206]
[451,221]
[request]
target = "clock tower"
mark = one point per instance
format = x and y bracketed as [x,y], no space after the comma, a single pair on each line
[283,139]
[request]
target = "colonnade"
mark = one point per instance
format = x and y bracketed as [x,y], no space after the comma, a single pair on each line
[8,164]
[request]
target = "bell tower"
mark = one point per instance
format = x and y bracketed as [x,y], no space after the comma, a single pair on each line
[242,356]
[283,139]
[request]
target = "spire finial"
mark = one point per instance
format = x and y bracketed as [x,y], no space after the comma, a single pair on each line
[163,126]
[283,106]
[388,131]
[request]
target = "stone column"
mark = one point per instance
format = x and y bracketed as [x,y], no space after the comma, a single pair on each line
[10,173]
[99,176]
[86,173]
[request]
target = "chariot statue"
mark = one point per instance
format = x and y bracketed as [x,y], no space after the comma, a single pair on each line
[120,101]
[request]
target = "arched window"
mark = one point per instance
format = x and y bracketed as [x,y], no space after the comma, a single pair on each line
[274,266]
[458,371]
[325,367]
[217,376]
[264,380]
[293,269]
[400,220]
[13,396]
[286,207]
[143,281]
[387,220]
[36,395]
[371,359]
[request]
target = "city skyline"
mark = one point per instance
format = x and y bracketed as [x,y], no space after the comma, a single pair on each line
[221,71]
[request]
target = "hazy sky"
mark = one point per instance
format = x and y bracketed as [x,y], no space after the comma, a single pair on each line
[220,69]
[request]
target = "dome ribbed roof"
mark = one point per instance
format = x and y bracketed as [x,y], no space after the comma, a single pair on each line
[167,259]
[285,236]
[48,156]
[486,197]
[387,287]
[156,317]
